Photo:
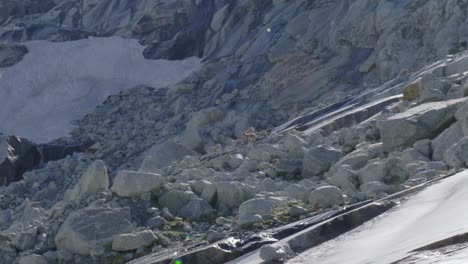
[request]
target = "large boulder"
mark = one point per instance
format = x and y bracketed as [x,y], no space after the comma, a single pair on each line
[275,252]
[162,155]
[95,179]
[257,206]
[344,177]
[319,159]
[424,121]
[325,196]
[359,158]
[175,200]
[456,156]
[446,139]
[132,241]
[391,171]
[87,229]
[133,183]
[196,208]
[232,194]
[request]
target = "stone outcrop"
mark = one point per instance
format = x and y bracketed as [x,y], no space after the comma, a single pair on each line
[88,229]
[424,121]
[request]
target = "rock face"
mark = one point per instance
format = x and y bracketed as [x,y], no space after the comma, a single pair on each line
[132,183]
[11,54]
[94,180]
[16,156]
[424,121]
[88,228]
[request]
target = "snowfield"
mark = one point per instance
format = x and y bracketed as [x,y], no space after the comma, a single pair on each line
[434,214]
[57,83]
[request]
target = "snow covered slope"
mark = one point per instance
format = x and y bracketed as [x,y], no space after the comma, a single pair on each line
[59,82]
[437,213]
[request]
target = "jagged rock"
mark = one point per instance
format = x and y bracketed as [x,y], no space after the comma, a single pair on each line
[325,196]
[456,156]
[132,183]
[196,208]
[11,54]
[410,155]
[275,252]
[296,211]
[132,241]
[258,206]
[359,158]
[232,194]
[319,159]
[446,139]
[209,193]
[16,156]
[176,200]
[392,170]
[424,121]
[32,259]
[6,216]
[423,146]
[162,155]
[25,239]
[94,180]
[344,178]
[85,229]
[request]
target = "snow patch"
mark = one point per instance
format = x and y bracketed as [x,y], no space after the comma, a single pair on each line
[57,83]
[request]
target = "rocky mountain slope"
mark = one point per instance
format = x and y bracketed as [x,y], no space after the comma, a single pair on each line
[351,102]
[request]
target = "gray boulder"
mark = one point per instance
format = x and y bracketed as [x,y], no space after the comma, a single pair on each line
[94,180]
[162,155]
[275,252]
[295,191]
[374,188]
[257,206]
[424,121]
[132,241]
[86,229]
[456,156]
[319,159]
[296,211]
[391,171]
[133,183]
[196,208]
[359,158]
[325,196]
[232,194]
[176,200]
[344,177]
[446,139]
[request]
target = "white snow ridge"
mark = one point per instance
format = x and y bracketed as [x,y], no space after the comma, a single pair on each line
[56,83]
